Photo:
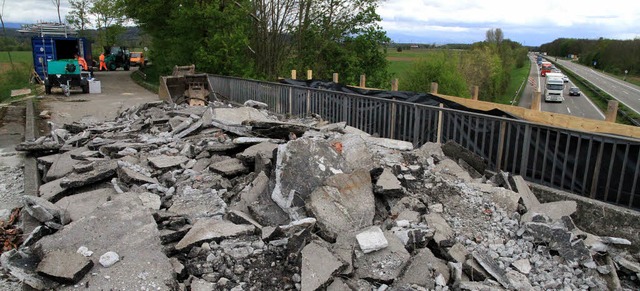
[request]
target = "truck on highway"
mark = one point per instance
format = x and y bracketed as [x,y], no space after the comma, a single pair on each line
[554,87]
[545,68]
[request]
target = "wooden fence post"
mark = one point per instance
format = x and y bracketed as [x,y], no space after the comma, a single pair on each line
[535,103]
[434,88]
[293,74]
[439,133]
[394,85]
[501,138]
[612,111]
[335,77]
[309,74]
[363,81]
[476,89]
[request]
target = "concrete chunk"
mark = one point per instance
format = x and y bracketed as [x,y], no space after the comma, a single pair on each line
[318,266]
[81,204]
[102,171]
[388,184]
[265,148]
[209,229]
[345,203]
[129,176]
[384,265]
[492,268]
[45,211]
[442,229]
[164,161]
[229,167]
[64,267]
[372,239]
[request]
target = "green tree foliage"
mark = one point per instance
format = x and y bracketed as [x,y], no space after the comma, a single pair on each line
[78,16]
[341,36]
[441,67]
[610,55]
[110,17]
[213,35]
[267,38]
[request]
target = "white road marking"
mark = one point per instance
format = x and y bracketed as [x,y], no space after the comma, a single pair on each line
[569,110]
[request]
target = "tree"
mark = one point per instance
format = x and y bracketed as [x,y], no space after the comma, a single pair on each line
[441,67]
[78,17]
[57,4]
[109,19]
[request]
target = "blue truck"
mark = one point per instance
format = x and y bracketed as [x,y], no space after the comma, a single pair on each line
[54,61]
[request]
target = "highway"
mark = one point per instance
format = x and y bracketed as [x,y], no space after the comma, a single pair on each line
[628,94]
[580,106]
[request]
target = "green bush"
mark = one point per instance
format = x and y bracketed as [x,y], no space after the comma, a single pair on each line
[12,79]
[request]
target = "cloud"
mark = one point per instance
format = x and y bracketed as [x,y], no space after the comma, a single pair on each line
[533,22]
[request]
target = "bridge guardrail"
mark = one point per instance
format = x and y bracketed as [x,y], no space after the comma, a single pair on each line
[598,166]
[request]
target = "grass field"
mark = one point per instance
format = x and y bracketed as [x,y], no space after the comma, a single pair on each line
[14,76]
[400,62]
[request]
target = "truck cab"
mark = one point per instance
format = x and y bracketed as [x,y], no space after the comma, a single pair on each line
[554,87]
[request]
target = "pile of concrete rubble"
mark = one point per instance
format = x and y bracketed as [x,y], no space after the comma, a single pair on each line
[171,197]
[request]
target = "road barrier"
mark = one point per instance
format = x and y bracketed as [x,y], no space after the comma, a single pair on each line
[598,166]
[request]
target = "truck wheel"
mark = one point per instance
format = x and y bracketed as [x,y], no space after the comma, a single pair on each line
[85,88]
[112,66]
[47,89]
[126,67]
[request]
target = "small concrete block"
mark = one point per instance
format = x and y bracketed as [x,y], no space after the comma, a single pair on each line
[372,240]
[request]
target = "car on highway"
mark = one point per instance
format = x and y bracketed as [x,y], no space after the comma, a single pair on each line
[565,79]
[574,91]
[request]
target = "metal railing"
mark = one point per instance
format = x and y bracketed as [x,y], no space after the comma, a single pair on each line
[598,166]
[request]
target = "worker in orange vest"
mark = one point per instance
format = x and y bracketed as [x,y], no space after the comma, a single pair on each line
[102,63]
[82,62]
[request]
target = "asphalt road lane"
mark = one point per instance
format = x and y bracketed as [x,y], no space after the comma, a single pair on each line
[628,94]
[579,106]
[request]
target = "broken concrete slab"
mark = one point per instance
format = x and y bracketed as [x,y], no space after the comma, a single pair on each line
[130,176]
[554,210]
[64,267]
[164,161]
[229,167]
[265,148]
[196,203]
[529,200]
[356,152]
[44,211]
[22,265]
[559,239]
[382,266]
[103,170]
[491,267]
[63,165]
[132,233]
[301,166]
[81,204]
[442,229]
[448,167]
[422,270]
[52,191]
[371,240]
[455,151]
[345,203]
[211,229]
[276,129]
[388,184]
[506,199]
[150,200]
[252,192]
[319,266]
[236,116]
[239,217]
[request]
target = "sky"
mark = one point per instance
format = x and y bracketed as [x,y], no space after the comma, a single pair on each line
[530,23]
